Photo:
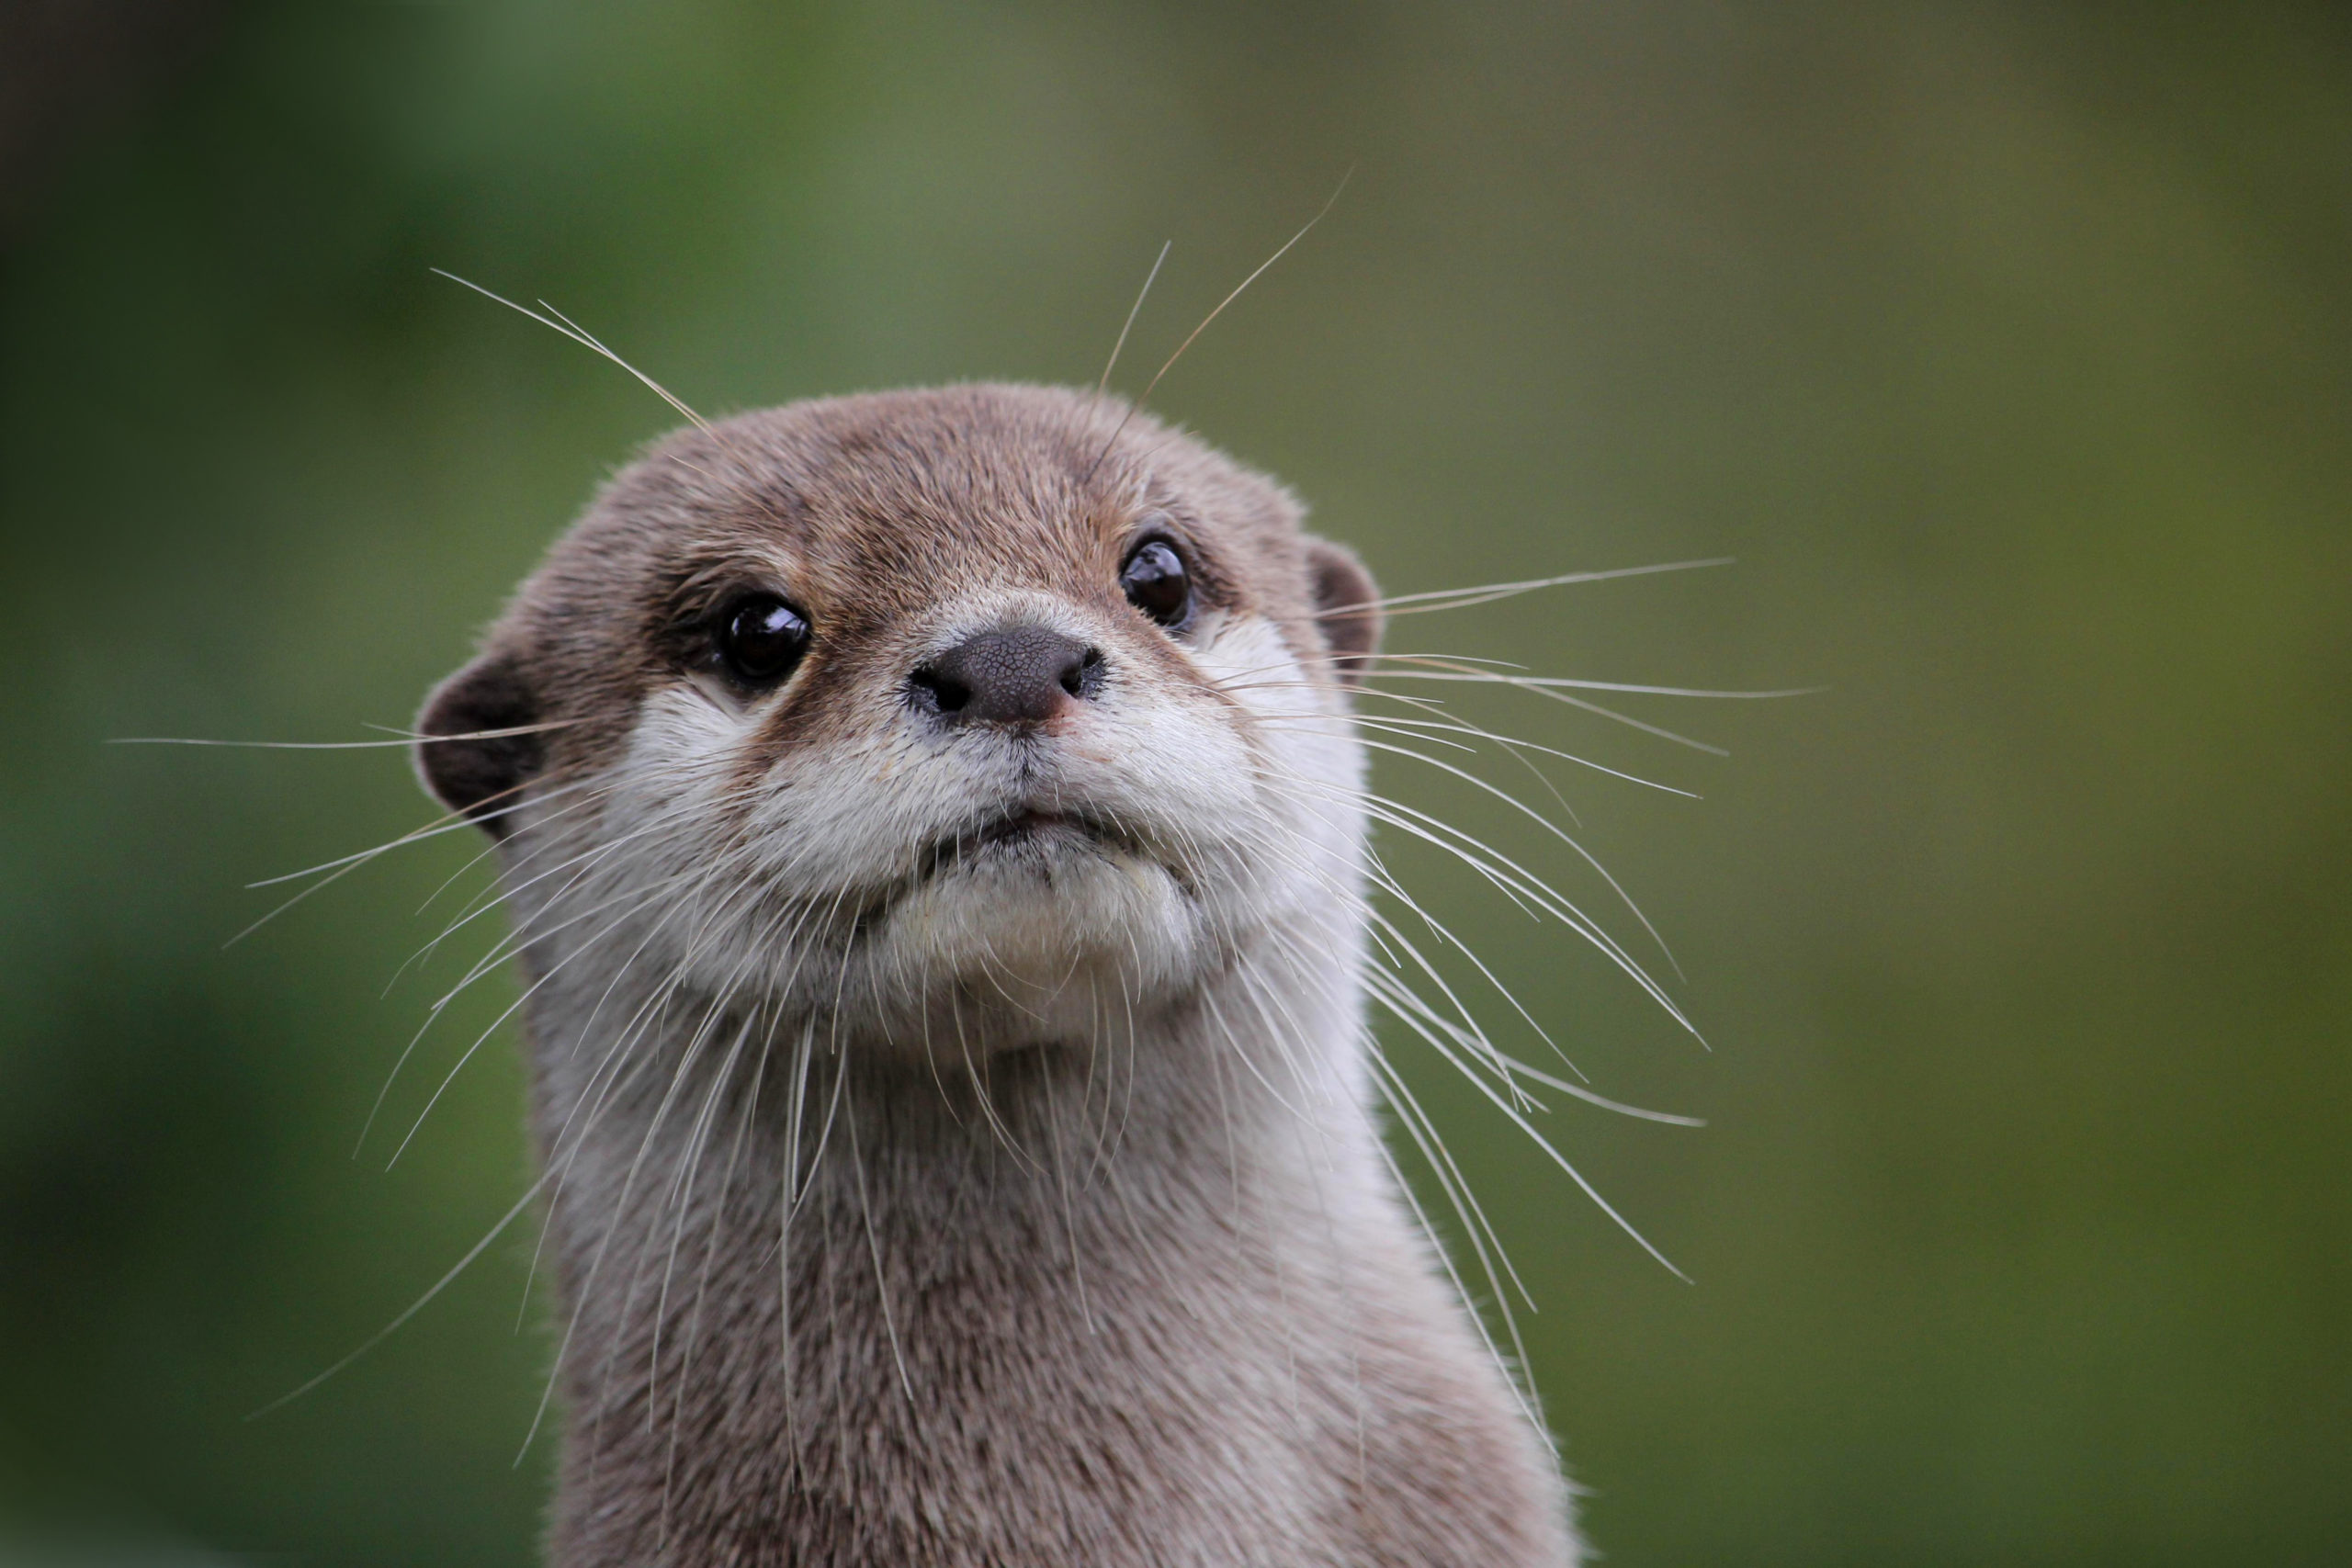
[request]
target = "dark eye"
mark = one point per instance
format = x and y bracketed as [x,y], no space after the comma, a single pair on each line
[1156,582]
[761,638]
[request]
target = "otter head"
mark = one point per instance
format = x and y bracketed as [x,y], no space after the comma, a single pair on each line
[997,702]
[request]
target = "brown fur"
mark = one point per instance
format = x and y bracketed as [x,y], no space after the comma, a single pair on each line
[966,1262]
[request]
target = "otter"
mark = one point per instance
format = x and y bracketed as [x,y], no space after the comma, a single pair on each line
[931,829]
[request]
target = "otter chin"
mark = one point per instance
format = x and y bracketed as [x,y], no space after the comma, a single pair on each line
[1052,911]
[932,827]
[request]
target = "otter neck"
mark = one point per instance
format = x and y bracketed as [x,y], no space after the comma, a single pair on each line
[885,1299]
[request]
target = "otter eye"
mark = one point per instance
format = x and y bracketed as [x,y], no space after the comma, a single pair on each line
[761,638]
[1156,582]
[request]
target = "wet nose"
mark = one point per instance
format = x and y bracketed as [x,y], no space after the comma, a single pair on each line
[1012,675]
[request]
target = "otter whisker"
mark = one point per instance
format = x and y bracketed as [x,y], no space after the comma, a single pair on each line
[526,931]
[1432,600]
[796,1109]
[529,928]
[1273,1246]
[659,1000]
[1558,832]
[1522,885]
[1410,1110]
[1069,1211]
[468,1053]
[682,1183]
[1135,309]
[1514,743]
[1450,669]
[620,1202]
[1551,694]
[616,1064]
[356,862]
[1400,993]
[415,1307]
[680,1199]
[1578,1176]
[709,1257]
[587,795]
[874,1249]
[825,1129]
[1152,385]
[1518,747]
[1241,1055]
[1395,890]
[562,325]
[1385,930]
[1511,1368]
[446,823]
[407,741]
[644,1241]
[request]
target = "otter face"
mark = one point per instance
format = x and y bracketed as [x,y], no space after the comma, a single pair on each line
[990,702]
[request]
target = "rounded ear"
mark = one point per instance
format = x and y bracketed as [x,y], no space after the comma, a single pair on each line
[1347,607]
[477,768]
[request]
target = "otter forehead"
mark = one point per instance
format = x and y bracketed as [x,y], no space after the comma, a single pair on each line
[883,502]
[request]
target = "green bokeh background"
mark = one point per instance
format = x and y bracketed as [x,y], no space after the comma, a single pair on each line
[2009,349]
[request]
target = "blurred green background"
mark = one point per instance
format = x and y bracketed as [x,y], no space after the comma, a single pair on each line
[2009,348]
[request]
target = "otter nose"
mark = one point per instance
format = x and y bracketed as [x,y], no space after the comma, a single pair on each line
[1013,676]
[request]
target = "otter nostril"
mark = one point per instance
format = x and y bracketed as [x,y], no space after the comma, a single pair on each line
[941,691]
[1083,674]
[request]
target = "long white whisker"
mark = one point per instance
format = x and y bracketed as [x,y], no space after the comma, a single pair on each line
[1436,599]
[562,325]
[1153,384]
[415,1307]
[406,739]
[1135,309]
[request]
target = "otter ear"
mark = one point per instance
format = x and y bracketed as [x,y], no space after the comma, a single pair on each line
[478,771]
[1347,606]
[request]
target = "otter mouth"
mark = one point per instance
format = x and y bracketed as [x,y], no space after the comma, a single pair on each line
[1037,841]
[1022,832]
